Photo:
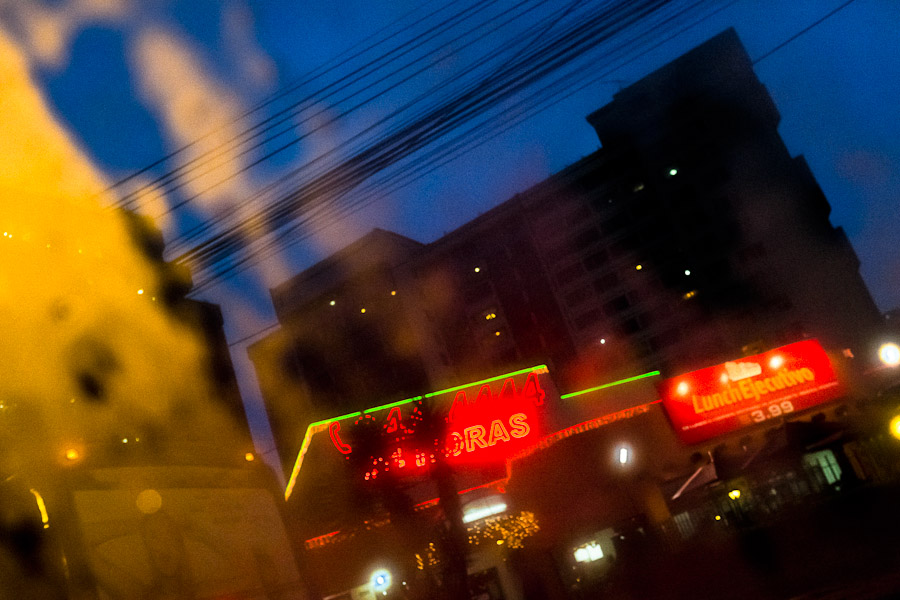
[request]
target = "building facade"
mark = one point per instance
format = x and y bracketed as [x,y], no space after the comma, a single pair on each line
[692,236]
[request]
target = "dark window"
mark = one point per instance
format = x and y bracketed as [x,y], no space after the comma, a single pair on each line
[605,282]
[585,239]
[616,223]
[588,318]
[596,259]
[616,305]
[631,326]
[569,274]
[579,296]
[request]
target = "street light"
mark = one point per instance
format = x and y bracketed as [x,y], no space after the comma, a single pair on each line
[380,580]
[889,354]
[895,427]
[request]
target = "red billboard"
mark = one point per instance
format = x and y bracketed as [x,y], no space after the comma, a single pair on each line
[720,399]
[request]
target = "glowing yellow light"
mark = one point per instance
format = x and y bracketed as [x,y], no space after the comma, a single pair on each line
[776,361]
[490,316]
[45,518]
[332,303]
[124,440]
[478,269]
[638,267]
[148,502]
[895,427]
[734,494]
[682,388]
[889,354]
[393,292]
[724,378]
[499,542]
[362,310]
[718,517]
[249,457]
[497,333]
[140,292]
[72,454]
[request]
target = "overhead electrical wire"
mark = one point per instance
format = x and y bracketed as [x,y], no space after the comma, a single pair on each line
[354,52]
[374,127]
[181,175]
[376,160]
[549,94]
[508,80]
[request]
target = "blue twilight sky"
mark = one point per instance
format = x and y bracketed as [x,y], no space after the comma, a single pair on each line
[132,80]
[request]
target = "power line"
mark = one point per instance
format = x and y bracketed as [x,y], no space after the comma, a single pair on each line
[229,244]
[312,75]
[802,31]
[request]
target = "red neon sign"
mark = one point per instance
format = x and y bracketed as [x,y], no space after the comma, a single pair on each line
[483,423]
[720,399]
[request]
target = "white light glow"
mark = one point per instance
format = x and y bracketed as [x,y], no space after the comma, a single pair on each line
[776,361]
[589,552]
[479,513]
[623,455]
[682,388]
[380,580]
[889,354]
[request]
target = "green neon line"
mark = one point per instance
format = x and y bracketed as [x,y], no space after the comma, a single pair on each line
[483,381]
[609,385]
[391,405]
[332,419]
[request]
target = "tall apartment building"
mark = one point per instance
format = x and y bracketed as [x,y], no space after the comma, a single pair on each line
[692,236]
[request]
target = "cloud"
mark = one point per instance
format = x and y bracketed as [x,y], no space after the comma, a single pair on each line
[47,31]
[239,38]
[194,108]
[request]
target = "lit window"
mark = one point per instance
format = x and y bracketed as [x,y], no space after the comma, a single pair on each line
[824,460]
[588,552]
